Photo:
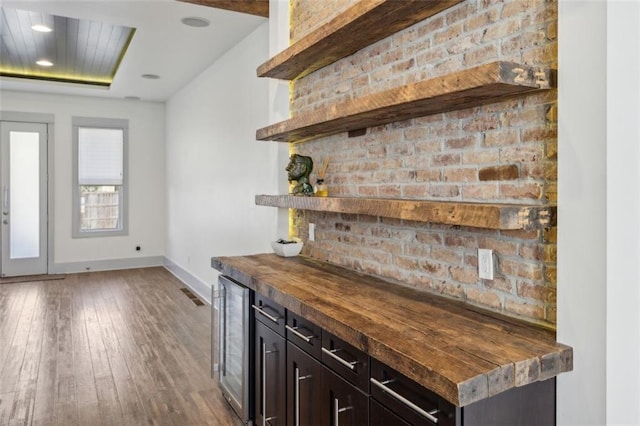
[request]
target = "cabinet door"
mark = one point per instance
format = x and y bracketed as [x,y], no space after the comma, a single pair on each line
[304,389]
[346,405]
[380,416]
[270,377]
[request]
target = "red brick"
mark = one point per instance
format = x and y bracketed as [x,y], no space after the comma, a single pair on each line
[460,175]
[501,137]
[456,240]
[444,191]
[449,159]
[528,310]
[433,268]
[539,293]
[429,175]
[481,56]
[429,238]
[518,268]
[465,142]
[481,157]
[501,247]
[447,255]
[449,32]
[506,172]
[483,297]
[481,191]
[449,289]
[463,275]
[500,283]
[532,191]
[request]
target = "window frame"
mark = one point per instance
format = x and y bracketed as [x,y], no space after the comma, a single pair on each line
[100,123]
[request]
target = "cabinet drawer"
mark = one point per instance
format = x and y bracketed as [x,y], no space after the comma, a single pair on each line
[407,399]
[269,313]
[380,416]
[349,362]
[305,334]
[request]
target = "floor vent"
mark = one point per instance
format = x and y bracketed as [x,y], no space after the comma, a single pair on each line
[192,296]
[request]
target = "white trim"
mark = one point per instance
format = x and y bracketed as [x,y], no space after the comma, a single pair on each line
[108,123]
[49,120]
[27,117]
[107,265]
[202,289]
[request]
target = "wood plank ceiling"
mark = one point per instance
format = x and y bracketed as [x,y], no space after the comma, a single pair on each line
[80,51]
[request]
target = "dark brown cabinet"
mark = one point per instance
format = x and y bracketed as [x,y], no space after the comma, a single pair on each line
[270,377]
[346,405]
[304,388]
[306,376]
[381,416]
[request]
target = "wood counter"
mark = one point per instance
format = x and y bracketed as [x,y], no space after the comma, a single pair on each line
[461,352]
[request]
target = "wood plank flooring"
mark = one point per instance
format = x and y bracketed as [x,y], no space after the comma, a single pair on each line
[106,348]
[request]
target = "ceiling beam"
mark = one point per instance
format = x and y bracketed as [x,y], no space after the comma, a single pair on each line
[252,7]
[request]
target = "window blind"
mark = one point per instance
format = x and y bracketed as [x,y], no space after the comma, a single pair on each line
[100,156]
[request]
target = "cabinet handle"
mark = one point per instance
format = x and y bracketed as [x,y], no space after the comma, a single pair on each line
[337,410]
[266,314]
[265,352]
[430,415]
[332,353]
[295,331]
[296,383]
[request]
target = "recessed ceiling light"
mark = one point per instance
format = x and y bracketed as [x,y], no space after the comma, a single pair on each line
[41,28]
[44,63]
[193,21]
[150,76]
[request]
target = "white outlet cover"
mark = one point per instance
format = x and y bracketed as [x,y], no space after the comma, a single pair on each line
[485,264]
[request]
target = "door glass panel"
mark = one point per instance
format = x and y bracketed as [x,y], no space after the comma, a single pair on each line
[24,198]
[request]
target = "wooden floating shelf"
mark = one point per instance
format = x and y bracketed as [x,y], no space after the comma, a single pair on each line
[476,86]
[359,26]
[479,215]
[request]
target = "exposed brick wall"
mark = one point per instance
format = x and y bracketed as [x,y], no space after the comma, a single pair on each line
[501,152]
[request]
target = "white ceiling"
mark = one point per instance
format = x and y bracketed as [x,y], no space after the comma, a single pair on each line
[162,44]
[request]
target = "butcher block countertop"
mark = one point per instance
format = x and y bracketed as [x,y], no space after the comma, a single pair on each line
[461,352]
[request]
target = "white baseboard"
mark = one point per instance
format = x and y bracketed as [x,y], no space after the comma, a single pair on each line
[202,289]
[106,265]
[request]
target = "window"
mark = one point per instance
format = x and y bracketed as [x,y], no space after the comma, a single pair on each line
[99,175]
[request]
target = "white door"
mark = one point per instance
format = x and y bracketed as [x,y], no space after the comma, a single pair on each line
[23,182]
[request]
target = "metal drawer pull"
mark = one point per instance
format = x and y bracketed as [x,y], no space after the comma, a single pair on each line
[297,381]
[265,352]
[337,410]
[295,331]
[263,312]
[430,415]
[332,353]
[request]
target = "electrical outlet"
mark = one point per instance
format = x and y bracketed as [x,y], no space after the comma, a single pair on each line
[485,264]
[312,232]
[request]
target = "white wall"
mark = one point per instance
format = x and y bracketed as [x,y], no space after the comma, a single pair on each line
[598,234]
[146,179]
[623,211]
[279,95]
[215,166]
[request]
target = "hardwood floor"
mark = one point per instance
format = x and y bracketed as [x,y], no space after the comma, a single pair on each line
[106,348]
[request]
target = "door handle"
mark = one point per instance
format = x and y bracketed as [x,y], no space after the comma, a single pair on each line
[5,201]
[337,410]
[296,382]
[265,352]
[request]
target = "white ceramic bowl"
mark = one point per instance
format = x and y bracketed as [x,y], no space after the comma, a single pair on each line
[287,250]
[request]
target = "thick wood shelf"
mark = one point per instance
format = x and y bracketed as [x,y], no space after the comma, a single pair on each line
[479,215]
[476,86]
[359,26]
[461,352]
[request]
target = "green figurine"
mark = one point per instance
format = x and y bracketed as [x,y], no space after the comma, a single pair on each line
[299,169]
